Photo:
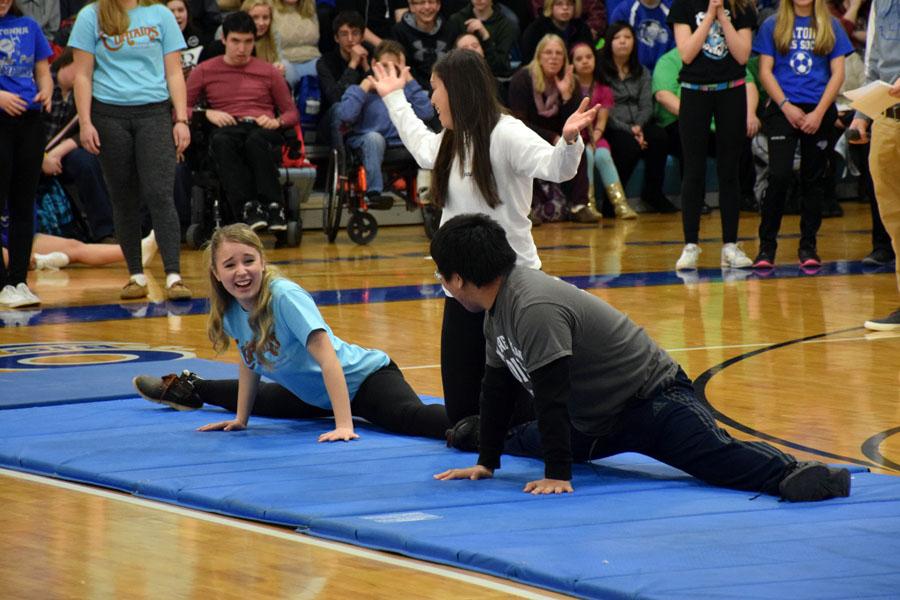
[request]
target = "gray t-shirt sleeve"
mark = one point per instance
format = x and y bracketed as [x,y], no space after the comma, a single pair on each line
[544,331]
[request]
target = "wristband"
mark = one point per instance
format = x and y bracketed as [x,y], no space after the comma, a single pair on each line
[177,121]
[783,102]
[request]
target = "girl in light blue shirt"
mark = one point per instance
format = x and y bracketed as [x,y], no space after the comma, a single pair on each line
[281,334]
[128,84]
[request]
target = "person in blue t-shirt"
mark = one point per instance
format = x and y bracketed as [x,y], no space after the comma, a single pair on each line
[648,18]
[25,88]
[281,334]
[801,64]
[128,82]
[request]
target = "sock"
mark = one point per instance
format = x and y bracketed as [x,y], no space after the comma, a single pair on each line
[139,279]
[172,279]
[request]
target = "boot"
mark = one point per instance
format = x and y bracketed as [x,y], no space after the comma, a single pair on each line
[616,194]
[592,205]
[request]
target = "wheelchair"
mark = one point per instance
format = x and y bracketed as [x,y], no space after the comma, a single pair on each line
[208,209]
[345,189]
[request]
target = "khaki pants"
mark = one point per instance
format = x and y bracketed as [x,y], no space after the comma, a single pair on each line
[884,162]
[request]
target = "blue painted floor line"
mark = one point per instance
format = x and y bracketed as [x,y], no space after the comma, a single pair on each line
[143,310]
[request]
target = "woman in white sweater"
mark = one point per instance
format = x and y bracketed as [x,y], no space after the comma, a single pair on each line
[484,161]
[297,28]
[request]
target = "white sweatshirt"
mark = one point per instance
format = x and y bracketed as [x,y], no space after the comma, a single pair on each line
[518,156]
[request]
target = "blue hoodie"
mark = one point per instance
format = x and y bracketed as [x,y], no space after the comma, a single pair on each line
[367,112]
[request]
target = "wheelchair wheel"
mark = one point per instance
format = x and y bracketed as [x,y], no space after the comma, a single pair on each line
[194,236]
[294,234]
[334,199]
[362,227]
[431,218]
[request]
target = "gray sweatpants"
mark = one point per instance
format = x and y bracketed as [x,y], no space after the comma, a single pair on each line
[137,155]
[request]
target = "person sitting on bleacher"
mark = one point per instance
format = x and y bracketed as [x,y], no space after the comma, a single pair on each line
[344,66]
[426,36]
[496,34]
[66,159]
[371,129]
[248,102]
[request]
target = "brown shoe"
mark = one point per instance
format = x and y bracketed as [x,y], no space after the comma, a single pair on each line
[133,290]
[585,214]
[178,291]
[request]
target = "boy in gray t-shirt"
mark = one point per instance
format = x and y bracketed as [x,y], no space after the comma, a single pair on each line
[600,385]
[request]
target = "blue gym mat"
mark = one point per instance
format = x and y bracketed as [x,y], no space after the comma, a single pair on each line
[69,385]
[634,528]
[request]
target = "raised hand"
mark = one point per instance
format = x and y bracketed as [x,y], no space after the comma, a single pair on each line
[580,119]
[388,79]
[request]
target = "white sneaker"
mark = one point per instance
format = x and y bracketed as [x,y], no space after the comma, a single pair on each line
[9,296]
[688,258]
[13,297]
[50,262]
[734,257]
[27,295]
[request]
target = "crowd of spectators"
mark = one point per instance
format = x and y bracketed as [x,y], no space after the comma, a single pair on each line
[546,55]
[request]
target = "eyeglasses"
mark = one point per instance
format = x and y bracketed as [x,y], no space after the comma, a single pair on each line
[421,2]
[438,276]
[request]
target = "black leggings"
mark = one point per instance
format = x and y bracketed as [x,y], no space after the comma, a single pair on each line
[814,151]
[462,365]
[21,153]
[729,107]
[384,399]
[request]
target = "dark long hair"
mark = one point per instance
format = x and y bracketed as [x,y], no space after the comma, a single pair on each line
[475,110]
[608,67]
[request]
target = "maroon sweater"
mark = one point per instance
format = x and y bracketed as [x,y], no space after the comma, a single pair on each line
[250,90]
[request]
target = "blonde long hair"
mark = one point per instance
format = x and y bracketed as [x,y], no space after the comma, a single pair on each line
[266,46]
[534,67]
[306,8]
[820,22]
[262,320]
[113,18]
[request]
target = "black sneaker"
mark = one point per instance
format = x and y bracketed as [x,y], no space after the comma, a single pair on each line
[277,222]
[255,216]
[879,257]
[705,208]
[465,434]
[813,481]
[176,391]
[888,323]
[808,258]
[379,201]
[765,259]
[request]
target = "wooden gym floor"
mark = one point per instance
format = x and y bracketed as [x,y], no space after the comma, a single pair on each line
[782,358]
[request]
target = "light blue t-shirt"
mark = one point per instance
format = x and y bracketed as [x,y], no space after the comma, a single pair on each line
[801,73]
[22,44]
[129,69]
[296,317]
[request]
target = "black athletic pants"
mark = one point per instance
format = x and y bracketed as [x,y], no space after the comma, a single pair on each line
[675,427]
[729,107]
[814,151]
[245,160]
[384,399]
[21,153]
[462,365]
